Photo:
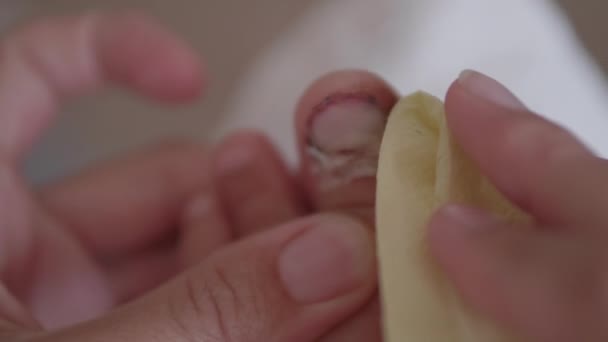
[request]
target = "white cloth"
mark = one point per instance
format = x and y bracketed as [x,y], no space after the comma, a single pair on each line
[423,45]
[414,44]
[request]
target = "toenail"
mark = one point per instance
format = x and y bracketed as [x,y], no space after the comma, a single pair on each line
[345,133]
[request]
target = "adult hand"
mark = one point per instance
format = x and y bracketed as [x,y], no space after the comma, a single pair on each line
[545,280]
[74,250]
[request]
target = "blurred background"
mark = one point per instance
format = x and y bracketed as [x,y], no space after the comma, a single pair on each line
[587,18]
[262,54]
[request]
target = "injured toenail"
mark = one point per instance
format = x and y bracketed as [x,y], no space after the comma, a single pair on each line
[345,133]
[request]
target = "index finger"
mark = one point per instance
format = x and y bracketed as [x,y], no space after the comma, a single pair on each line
[539,166]
[58,58]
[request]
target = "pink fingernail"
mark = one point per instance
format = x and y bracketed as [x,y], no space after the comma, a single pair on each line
[489,89]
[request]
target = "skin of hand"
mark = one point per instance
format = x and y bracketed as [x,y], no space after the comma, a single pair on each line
[547,280]
[181,242]
[175,242]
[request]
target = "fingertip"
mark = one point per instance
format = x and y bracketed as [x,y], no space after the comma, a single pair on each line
[174,80]
[240,148]
[254,184]
[475,96]
[135,49]
[332,258]
[175,75]
[453,96]
[529,159]
[61,57]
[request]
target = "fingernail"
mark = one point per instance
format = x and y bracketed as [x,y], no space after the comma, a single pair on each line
[344,138]
[463,217]
[327,261]
[489,89]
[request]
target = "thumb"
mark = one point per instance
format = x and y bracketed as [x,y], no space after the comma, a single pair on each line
[293,283]
[542,284]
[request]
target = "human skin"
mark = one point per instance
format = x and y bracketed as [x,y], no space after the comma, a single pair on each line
[179,241]
[169,243]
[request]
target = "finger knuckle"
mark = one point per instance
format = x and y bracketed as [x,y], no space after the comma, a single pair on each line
[212,306]
[197,312]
